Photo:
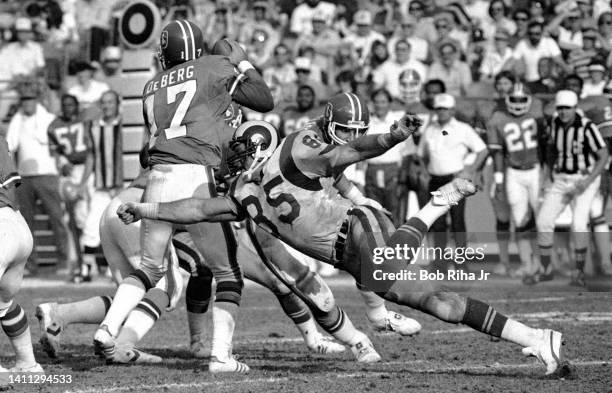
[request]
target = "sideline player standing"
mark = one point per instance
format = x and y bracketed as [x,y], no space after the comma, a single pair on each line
[16,248]
[513,135]
[578,155]
[184,111]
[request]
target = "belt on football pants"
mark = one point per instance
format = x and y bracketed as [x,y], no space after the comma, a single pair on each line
[341,241]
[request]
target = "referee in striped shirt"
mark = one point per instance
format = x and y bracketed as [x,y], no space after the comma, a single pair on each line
[578,155]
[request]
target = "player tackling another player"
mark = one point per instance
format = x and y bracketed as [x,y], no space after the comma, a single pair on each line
[283,190]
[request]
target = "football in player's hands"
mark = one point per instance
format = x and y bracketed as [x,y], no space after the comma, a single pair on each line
[231,49]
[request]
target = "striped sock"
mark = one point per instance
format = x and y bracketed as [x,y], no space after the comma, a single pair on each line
[295,309]
[344,331]
[143,317]
[545,256]
[484,318]
[15,325]
[580,258]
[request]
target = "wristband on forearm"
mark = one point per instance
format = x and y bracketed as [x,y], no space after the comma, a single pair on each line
[149,210]
[355,196]
[244,66]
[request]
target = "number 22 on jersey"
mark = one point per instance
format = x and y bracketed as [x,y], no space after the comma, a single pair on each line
[520,136]
[176,128]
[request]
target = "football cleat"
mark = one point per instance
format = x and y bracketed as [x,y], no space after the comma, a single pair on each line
[453,192]
[395,322]
[541,276]
[127,355]
[577,279]
[325,344]
[231,365]
[51,328]
[36,368]
[364,351]
[548,351]
[104,343]
[199,349]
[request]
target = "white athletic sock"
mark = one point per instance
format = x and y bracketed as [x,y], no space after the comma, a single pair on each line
[348,334]
[525,251]
[375,305]
[129,294]
[197,325]
[430,213]
[521,334]
[601,237]
[90,310]
[309,332]
[22,345]
[223,329]
[135,327]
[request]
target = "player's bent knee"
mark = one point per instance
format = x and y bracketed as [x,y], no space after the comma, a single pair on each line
[148,281]
[446,305]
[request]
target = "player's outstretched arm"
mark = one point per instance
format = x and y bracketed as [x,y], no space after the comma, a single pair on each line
[184,211]
[369,146]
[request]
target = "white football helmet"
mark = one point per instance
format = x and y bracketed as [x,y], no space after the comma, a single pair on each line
[518,102]
[410,85]
[256,139]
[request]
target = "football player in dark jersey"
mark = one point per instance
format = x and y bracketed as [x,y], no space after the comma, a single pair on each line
[282,190]
[184,108]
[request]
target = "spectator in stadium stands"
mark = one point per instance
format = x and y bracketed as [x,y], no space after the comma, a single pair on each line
[386,15]
[303,71]
[324,41]
[529,51]
[27,136]
[378,56]
[520,17]
[381,177]
[536,10]
[425,24]
[444,145]
[565,28]
[346,82]
[281,66]
[447,30]
[220,25]
[362,38]
[23,57]
[478,10]
[302,111]
[87,90]
[498,19]
[594,85]
[387,75]
[419,48]
[110,71]
[301,18]
[497,58]
[259,22]
[455,74]
[604,24]
[258,50]
[548,82]
[345,60]
[93,19]
[316,73]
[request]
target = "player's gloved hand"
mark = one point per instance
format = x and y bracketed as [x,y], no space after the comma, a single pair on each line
[129,212]
[237,54]
[403,128]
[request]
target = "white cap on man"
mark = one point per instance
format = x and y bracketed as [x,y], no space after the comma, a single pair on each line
[566,98]
[444,101]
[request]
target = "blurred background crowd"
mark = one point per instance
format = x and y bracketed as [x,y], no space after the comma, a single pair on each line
[399,54]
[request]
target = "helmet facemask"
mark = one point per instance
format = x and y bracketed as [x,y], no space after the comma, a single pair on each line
[356,130]
[518,102]
[251,143]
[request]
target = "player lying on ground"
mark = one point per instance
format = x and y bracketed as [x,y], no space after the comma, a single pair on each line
[281,190]
[16,245]
[122,250]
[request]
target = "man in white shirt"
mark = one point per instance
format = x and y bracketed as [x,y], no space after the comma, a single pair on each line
[532,49]
[301,18]
[23,57]
[419,48]
[387,75]
[88,90]
[444,147]
[27,136]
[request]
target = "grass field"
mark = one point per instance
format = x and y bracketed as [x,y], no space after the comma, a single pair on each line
[442,358]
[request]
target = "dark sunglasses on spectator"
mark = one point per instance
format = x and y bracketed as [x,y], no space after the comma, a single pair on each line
[521,19]
[278,53]
[441,26]
[415,9]
[497,9]
[302,71]
[534,33]
[606,22]
[407,25]
[447,52]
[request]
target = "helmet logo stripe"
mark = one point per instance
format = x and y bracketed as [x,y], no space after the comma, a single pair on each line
[352,106]
[184,39]
[358,106]
[192,37]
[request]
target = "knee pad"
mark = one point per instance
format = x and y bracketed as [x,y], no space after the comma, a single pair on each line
[198,294]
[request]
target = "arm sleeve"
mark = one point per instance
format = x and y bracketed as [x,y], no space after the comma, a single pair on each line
[593,136]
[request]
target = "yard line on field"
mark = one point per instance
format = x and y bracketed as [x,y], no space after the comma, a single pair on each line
[366,374]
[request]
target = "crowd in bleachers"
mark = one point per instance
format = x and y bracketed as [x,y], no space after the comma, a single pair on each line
[397,53]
